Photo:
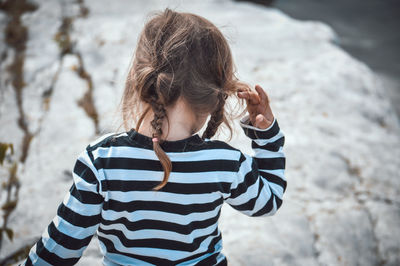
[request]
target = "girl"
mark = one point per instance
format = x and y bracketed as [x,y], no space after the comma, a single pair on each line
[153,194]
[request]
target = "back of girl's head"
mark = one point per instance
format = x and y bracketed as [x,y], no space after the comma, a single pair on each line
[179,55]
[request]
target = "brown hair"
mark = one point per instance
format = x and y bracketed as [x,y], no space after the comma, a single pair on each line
[179,55]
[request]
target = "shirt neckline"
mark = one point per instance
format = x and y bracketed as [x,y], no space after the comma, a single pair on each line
[167,145]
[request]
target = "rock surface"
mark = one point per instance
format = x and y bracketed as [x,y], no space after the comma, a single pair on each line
[342,204]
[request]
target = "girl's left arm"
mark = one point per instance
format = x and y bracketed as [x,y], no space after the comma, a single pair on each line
[77,219]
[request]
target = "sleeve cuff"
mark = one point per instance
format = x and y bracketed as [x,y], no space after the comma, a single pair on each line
[258,133]
[245,122]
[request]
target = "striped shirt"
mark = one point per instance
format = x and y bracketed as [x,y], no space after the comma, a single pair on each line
[111,195]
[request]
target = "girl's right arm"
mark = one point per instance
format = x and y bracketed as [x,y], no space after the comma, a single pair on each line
[260,182]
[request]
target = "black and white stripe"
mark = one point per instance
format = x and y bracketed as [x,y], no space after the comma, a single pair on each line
[112,195]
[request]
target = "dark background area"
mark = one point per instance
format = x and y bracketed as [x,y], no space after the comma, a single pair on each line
[368,29]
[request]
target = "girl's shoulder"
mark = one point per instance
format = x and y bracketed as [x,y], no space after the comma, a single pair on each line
[108,140]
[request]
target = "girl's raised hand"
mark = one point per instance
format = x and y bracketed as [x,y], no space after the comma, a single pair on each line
[258,107]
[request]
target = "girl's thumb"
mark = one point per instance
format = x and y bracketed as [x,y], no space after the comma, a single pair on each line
[262,122]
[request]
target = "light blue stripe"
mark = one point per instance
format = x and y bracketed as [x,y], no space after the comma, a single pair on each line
[263,142]
[175,177]
[81,184]
[73,231]
[245,168]
[134,152]
[273,211]
[276,189]
[53,247]
[36,260]
[160,234]
[249,194]
[265,195]
[183,199]
[161,216]
[78,207]
[261,153]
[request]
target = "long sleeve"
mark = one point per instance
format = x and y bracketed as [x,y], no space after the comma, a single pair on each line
[260,181]
[77,219]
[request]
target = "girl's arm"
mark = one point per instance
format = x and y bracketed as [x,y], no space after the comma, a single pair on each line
[77,219]
[260,182]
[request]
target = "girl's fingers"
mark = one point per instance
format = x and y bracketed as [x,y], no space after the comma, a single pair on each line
[254,97]
[243,89]
[251,96]
[242,94]
[261,92]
